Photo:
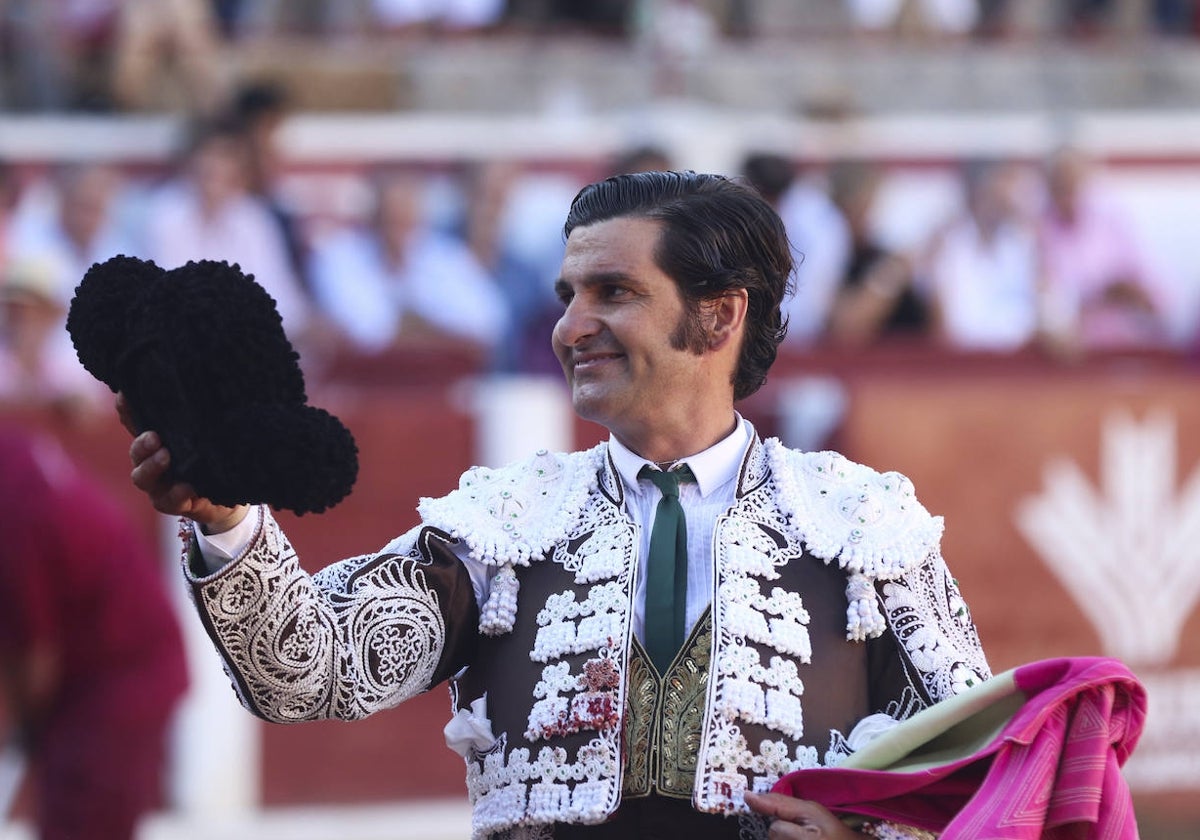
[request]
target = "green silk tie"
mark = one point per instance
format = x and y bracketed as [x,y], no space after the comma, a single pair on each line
[666,576]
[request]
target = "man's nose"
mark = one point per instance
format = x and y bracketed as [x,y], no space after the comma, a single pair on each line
[576,323]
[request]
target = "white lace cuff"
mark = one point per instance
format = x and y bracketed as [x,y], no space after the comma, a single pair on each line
[217,550]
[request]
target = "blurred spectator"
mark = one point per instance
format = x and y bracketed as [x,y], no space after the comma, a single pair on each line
[535,203]
[398,279]
[528,292]
[599,17]
[10,194]
[915,17]
[75,225]
[165,56]
[449,15]
[289,18]
[259,109]
[982,274]
[1175,17]
[820,240]
[877,296]
[1125,18]
[1097,290]
[38,365]
[680,35]
[207,212]
[91,657]
[771,174]
[646,157]
[57,53]
[227,15]
[523,211]
[994,18]
[1086,17]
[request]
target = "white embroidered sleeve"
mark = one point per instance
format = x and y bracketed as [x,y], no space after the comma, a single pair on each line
[934,629]
[359,636]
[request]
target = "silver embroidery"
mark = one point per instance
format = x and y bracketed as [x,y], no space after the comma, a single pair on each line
[869,522]
[362,635]
[517,513]
[743,688]
[375,636]
[931,622]
[752,826]
[556,786]
[584,790]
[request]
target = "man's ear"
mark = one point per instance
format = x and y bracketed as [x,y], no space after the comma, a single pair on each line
[726,317]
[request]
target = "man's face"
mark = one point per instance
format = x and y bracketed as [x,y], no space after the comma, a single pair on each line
[219,170]
[86,203]
[633,361]
[399,213]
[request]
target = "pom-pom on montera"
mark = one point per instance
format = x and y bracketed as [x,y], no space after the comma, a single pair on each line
[201,356]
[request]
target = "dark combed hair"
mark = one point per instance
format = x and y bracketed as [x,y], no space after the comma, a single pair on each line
[718,235]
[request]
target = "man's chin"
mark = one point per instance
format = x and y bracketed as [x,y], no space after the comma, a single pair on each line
[588,403]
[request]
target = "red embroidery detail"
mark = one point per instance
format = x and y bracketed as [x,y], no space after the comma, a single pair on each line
[601,674]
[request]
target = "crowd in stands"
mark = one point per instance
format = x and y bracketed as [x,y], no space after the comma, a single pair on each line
[1039,255]
[1036,257]
[131,55]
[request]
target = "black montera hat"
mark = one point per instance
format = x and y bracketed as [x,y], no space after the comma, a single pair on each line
[201,356]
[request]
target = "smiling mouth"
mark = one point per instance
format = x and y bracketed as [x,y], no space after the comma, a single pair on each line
[585,362]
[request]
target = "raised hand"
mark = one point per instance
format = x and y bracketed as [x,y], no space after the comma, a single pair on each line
[151,463]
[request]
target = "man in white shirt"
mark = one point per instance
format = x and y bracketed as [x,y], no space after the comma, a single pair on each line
[208,213]
[612,676]
[399,278]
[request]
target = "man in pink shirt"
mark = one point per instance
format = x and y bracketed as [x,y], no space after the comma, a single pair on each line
[1098,291]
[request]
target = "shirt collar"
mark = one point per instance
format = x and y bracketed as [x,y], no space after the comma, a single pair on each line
[713,467]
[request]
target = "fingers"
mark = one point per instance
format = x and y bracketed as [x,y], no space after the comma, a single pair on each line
[151,461]
[779,805]
[151,464]
[797,819]
[145,445]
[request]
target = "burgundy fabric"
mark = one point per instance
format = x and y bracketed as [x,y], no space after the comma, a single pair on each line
[96,778]
[1052,772]
[77,579]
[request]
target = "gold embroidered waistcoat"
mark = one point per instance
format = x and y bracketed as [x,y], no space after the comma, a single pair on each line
[664,718]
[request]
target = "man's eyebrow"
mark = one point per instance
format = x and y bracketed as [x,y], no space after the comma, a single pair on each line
[602,278]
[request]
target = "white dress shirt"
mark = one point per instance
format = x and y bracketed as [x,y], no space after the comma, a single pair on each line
[241,232]
[440,281]
[710,496]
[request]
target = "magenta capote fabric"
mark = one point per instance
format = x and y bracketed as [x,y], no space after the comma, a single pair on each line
[1052,772]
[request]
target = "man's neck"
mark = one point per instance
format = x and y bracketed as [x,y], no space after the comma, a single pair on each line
[711,467]
[666,449]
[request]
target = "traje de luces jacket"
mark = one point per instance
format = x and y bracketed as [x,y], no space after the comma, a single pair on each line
[832,613]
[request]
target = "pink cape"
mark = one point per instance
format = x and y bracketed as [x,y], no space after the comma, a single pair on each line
[1035,752]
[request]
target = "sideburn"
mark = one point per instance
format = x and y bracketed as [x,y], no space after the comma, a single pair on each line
[689,332]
